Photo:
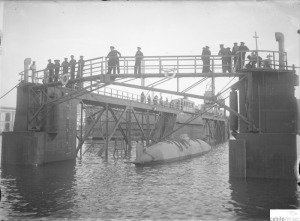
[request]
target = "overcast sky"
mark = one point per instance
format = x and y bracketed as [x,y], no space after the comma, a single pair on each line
[56,29]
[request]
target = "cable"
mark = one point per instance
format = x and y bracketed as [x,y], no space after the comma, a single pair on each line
[9,91]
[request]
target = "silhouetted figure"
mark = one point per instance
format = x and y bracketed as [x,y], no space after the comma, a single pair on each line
[206,59]
[223,51]
[143,97]
[50,68]
[234,52]
[229,64]
[149,99]
[161,102]
[72,64]
[33,70]
[155,100]
[65,66]
[113,60]
[138,61]
[56,68]
[242,54]
[268,61]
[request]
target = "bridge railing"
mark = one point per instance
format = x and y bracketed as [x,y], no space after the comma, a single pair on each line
[168,65]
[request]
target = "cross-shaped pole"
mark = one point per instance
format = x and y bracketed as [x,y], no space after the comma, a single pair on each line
[256,37]
[257,62]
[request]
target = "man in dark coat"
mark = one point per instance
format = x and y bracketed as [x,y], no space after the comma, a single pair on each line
[229,62]
[65,66]
[72,64]
[206,59]
[234,50]
[113,60]
[223,52]
[56,69]
[50,68]
[242,53]
[138,61]
[80,70]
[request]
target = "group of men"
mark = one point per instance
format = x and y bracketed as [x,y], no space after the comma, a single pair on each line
[114,63]
[156,101]
[52,71]
[238,52]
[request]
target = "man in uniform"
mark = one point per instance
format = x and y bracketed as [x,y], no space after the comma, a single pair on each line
[65,66]
[113,60]
[138,61]
[223,52]
[72,64]
[242,54]
[235,48]
[33,69]
[229,62]
[50,67]
[56,69]
[80,70]
[206,59]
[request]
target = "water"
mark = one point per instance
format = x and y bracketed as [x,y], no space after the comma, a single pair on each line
[93,188]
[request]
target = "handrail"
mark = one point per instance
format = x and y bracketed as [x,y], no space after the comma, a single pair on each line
[166,63]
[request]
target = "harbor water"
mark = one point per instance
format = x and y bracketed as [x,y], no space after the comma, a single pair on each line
[95,188]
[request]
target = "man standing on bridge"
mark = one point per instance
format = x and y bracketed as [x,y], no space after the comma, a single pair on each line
[50,67]
[138,61]
[113,60]
[234,50]
[65,66]
[223,52]
[206,59]
[242,53]
[56,68]
[72,64]
[80,70]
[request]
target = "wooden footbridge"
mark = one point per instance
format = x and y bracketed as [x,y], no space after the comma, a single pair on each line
[53,118]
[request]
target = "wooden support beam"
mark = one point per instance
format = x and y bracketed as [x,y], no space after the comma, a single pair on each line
[120,127]
[141,128]
[117,124]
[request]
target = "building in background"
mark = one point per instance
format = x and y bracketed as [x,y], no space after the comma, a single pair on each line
[7,118]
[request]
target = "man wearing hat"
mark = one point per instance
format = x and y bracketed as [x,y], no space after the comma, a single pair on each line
[138,61]
[113,60]
[242,54]
[65,66]
[234,50]
[206,59]
[80,70]
[72,64]
[223,52]
[50,68]
[56,69]
[229,61]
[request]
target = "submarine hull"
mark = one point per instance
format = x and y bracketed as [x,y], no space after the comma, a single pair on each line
[170,151]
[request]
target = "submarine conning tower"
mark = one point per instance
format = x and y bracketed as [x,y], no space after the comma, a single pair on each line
[265,143]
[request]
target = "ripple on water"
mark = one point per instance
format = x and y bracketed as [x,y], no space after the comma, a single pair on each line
[197,188]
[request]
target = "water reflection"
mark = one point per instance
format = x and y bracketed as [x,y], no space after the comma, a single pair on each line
[255,197]
[38,191]
[95,188]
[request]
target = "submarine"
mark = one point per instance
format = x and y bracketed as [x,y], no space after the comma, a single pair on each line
[170,151]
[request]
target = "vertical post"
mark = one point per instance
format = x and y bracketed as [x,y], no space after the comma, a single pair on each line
[148,128]
[274,67]
[128,130]
[159,65]
[81,132]
[102,65]
[195,65]
[213,83]
[106,140]
[91,71]
[177,83]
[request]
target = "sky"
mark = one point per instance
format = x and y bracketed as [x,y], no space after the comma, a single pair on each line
[56,29]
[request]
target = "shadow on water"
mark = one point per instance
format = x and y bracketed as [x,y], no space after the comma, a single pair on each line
[38,191]
[255,197]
